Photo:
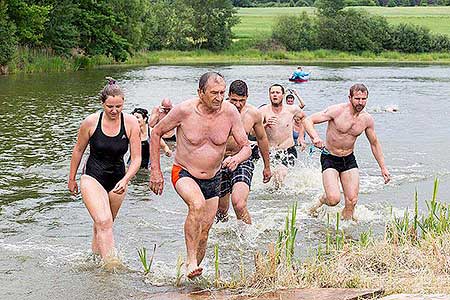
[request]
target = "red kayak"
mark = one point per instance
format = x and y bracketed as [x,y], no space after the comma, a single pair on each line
[298,80]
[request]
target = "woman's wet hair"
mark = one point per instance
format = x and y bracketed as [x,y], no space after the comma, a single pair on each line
[111,89]
[142,111]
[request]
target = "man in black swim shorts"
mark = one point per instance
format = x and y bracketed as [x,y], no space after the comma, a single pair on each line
[346,121]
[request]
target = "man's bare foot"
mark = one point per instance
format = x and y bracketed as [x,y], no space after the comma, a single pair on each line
[313,210]
[112,262]
[194,272]
[349,214]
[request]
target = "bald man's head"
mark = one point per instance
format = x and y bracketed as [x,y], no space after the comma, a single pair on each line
[166,103]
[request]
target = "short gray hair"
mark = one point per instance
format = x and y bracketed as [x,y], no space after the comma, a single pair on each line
[205,77]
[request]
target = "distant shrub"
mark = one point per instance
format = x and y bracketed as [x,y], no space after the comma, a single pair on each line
[410,38]
[440,43]
[353,30]
[296,33]
[267,45]
[360,3]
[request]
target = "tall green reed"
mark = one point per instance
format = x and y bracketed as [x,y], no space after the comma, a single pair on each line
[147,265]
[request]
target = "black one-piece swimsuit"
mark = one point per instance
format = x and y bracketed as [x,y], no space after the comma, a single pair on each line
[105,162]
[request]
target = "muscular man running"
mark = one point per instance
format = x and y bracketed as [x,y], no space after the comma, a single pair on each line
[346,121]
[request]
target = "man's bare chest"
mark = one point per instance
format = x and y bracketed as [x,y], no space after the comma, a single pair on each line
[198,131]
[348,125]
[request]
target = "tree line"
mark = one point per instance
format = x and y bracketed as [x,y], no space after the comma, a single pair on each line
[389,3]
[116,28]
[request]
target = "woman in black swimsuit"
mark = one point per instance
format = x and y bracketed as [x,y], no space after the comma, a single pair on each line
[104,181]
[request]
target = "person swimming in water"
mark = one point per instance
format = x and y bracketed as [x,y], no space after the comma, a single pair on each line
[104,181]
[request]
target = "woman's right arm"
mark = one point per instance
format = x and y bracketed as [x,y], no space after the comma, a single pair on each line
[77,154]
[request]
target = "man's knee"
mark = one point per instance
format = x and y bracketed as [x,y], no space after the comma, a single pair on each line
[103,223]
[197,207]
[333,199]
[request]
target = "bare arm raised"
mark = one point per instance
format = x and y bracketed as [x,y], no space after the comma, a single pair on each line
[263,144]
[238,133]
[300,99]
[154,117]
[298,119]
[168,123]
[375,146]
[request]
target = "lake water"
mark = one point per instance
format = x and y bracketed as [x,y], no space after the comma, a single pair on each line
[45,233]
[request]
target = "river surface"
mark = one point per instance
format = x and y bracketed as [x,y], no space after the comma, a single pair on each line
[45,233]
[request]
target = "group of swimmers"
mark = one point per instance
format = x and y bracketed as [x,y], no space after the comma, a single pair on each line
[214,159]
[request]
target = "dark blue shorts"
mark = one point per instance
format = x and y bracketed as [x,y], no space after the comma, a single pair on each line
[210,187]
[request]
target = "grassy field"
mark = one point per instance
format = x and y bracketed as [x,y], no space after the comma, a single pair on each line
[258,22]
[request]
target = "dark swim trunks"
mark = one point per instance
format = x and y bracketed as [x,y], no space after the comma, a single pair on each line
[255,152]
[243,173]
[210,187]
[339,163]
[173,138]
[286,157]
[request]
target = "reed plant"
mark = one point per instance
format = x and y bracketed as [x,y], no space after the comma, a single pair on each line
[216,266]
[286,238]
[179,273]
[435,222]
[147,265]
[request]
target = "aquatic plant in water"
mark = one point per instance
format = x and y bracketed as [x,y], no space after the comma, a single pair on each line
[143,258]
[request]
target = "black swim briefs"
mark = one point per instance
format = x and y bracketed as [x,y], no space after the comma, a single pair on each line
[339,163]
[210,187]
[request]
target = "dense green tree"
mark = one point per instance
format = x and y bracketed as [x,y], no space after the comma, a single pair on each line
[329,8]
[130,15]
[30,20]
[242,3]
[411,38]
[353,30]
[296,33]
[7,37]
[62,33]
[211,23]
[167,26]
[97,24]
